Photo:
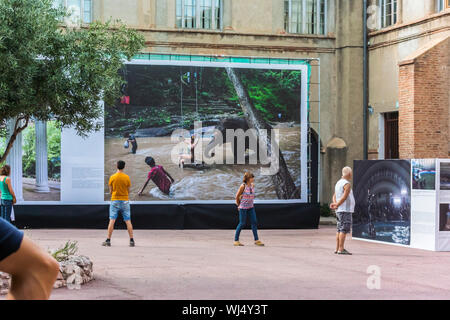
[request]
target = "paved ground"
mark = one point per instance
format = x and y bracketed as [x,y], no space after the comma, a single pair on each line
[295,264]
[29,193]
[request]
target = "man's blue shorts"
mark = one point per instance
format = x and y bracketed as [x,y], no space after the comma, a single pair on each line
[10,239]
[119,206]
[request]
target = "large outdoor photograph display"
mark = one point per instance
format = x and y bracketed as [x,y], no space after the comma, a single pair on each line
[383,200]
[184,123]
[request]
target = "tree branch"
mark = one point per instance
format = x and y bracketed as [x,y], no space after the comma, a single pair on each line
[17,130]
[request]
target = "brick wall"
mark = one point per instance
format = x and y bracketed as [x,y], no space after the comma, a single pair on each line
[424,103]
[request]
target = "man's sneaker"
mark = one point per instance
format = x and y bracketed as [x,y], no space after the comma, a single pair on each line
[345,252]
[106,244]
[131,243]
[237,244]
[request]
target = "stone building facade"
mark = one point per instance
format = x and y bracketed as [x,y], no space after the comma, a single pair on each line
[328,30]
[424,101]
[409,80]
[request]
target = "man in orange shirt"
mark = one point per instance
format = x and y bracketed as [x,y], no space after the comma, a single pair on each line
[119,187]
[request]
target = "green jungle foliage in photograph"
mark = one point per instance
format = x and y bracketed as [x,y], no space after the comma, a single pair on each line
[171,96]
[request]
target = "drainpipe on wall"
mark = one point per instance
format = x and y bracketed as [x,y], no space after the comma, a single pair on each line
[400,12]
[365,82]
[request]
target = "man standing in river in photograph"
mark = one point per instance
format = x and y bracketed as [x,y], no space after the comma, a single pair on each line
[159,176]
[119,187]
[344,204]
[134,146]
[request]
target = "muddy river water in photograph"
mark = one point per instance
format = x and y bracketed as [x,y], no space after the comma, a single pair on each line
[216,182]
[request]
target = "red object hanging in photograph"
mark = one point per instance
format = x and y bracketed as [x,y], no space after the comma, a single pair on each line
[125,100]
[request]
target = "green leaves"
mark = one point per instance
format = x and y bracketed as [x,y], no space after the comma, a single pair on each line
[70,248]
[48,71]
[29,151]
[272,92]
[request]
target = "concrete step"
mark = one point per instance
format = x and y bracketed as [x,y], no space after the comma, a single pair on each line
[327,221]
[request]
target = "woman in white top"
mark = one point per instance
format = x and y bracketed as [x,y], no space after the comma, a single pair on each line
[344,204]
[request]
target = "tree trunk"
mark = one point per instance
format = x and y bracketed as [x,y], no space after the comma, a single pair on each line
[282,180]
[17,129]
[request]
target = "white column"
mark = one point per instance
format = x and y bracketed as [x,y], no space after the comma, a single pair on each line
[14,159]
[41,157]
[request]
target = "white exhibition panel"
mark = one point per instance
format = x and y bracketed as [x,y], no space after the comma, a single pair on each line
[425,215]
[442,237]
[82,167]
[423,219]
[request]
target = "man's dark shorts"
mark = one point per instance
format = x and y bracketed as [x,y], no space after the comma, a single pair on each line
[344,222]
[10,239]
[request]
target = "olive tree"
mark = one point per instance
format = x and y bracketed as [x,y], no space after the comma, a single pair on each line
[52,71]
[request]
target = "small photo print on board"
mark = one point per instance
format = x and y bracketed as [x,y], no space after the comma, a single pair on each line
[423,174]
[445,175]
[444,217]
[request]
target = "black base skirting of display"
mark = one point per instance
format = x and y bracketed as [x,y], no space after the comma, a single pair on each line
[167,216]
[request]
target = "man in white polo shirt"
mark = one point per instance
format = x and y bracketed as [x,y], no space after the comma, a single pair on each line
[344,204]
